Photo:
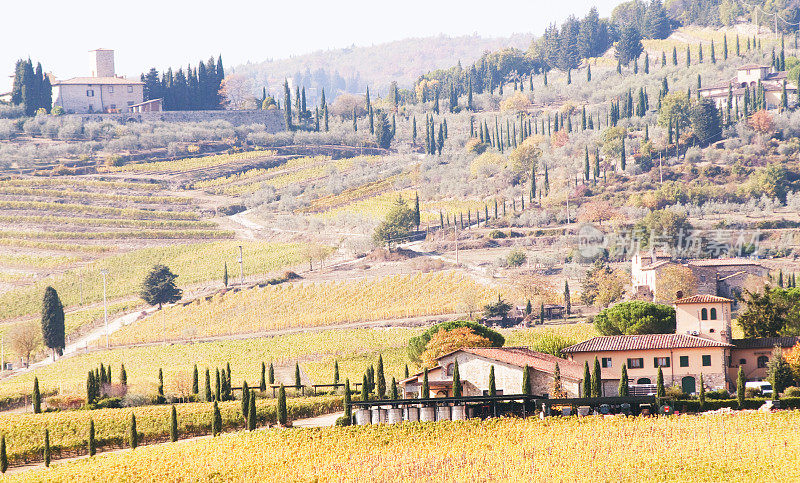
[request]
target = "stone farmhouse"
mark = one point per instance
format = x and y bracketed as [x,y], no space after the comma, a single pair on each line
[719,276]
[702,344]
[103,91]
[474,365]
[749,77]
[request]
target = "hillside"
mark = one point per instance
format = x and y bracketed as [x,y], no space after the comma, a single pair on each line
[377,65]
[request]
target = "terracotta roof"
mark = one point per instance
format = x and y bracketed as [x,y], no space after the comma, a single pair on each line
[522,356]
[753,66]
[432,371]
[95,81]
[701,299]
[657,264]
[720,262]
[643,342]
[766,342]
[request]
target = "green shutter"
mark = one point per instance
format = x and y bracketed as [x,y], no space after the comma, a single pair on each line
[655,362]
[684,361]
[706,360]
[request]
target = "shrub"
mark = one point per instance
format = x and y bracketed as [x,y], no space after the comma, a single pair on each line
[636,317]
[516,258]
[718,394]
[496,234]
[792,391]
[416,346]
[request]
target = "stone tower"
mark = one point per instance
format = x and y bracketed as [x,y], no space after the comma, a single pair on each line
[103,63]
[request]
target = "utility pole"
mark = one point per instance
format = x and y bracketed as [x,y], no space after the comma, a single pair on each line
[241,266]
[105,304]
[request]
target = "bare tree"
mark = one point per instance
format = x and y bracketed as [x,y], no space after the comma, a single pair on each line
[237,91]
[25,339]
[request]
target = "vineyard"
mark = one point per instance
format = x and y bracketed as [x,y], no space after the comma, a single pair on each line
[127,270]
[312,305]
[68,429]
[751,446]
[187,164]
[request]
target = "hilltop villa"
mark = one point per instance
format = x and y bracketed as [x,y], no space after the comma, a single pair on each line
[750,77]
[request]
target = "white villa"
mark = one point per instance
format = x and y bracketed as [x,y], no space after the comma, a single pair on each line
[748,77]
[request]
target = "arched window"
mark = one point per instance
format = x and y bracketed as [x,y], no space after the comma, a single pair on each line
[643,380]
[761,362]
[704,314]
[450,369]
[712,314]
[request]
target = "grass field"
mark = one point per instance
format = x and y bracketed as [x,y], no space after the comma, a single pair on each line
[310,305]
[193,263]
[742,447]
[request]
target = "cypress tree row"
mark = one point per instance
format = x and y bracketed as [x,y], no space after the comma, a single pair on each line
[31,88]
[173,424]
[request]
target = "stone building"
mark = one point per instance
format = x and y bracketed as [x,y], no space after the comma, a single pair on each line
[749,77]
[474,365]
[102,92]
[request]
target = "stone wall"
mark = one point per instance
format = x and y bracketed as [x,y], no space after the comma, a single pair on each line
[272,119]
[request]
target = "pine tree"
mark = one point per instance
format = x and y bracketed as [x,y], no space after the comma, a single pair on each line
[262,385]
[456,380]
[597,380]
[92,443]
[283,417]
[251,413]
[660,391]
[702,393]
[208,396]
[526,380]
[623,381]
[173,424]
[53,321]
[195,381]
[37,397]
[46,452]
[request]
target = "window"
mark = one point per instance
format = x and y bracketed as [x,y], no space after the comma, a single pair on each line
[110,89]
[643,380]
[684,361]
[449,369]
[711,331]
[704,314]
[742,361]
[606,362]
[706,360]
[130,89]
[636,363]
[761,362]
[130,103]
[713,314]
[89,92]
[661,362]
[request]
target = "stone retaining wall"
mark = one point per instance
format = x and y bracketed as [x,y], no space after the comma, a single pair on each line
[272,119]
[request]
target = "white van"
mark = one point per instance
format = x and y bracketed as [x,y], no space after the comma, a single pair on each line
[763,387]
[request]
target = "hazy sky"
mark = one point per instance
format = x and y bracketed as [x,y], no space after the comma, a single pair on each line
[162,33]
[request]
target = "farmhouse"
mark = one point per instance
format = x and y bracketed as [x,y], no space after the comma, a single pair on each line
[702,344]
[721,276]
[474,366]
[748,79]
[103,92]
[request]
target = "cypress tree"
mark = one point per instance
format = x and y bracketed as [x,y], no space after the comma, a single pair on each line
[526,380]
[297,380]
[173,424]
[492,386]
[660,391]
[567,300]
[588,73]
[541,313]
[92,443]
[283,417]
[208,396]
[622,155]
[195,381]
[702,393]
[393,390]
[740,388]
[365,388]
[597,380]
[425,392]
[245,399]
[355,121]
[271,373]
[46,452]
[37,397]
[674,56]
[287,106]
[53,321]
[336,372]
[216,420]
[623,381]
[405,373]
[225,274]
[456,381]
[123,376]
[217,389]
[160,386]
[251,414]
[348,407]
[262,385]
[381,379]
[3,455]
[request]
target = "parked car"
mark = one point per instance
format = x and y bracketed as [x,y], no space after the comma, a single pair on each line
[764,387]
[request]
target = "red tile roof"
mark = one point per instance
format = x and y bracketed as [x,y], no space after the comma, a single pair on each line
[655,265]
[522,356]
[95,81]
[753,66]
[701,299]
[766,342]
[643,342]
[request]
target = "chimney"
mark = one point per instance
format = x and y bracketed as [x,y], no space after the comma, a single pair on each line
[103,63]
[679,295]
